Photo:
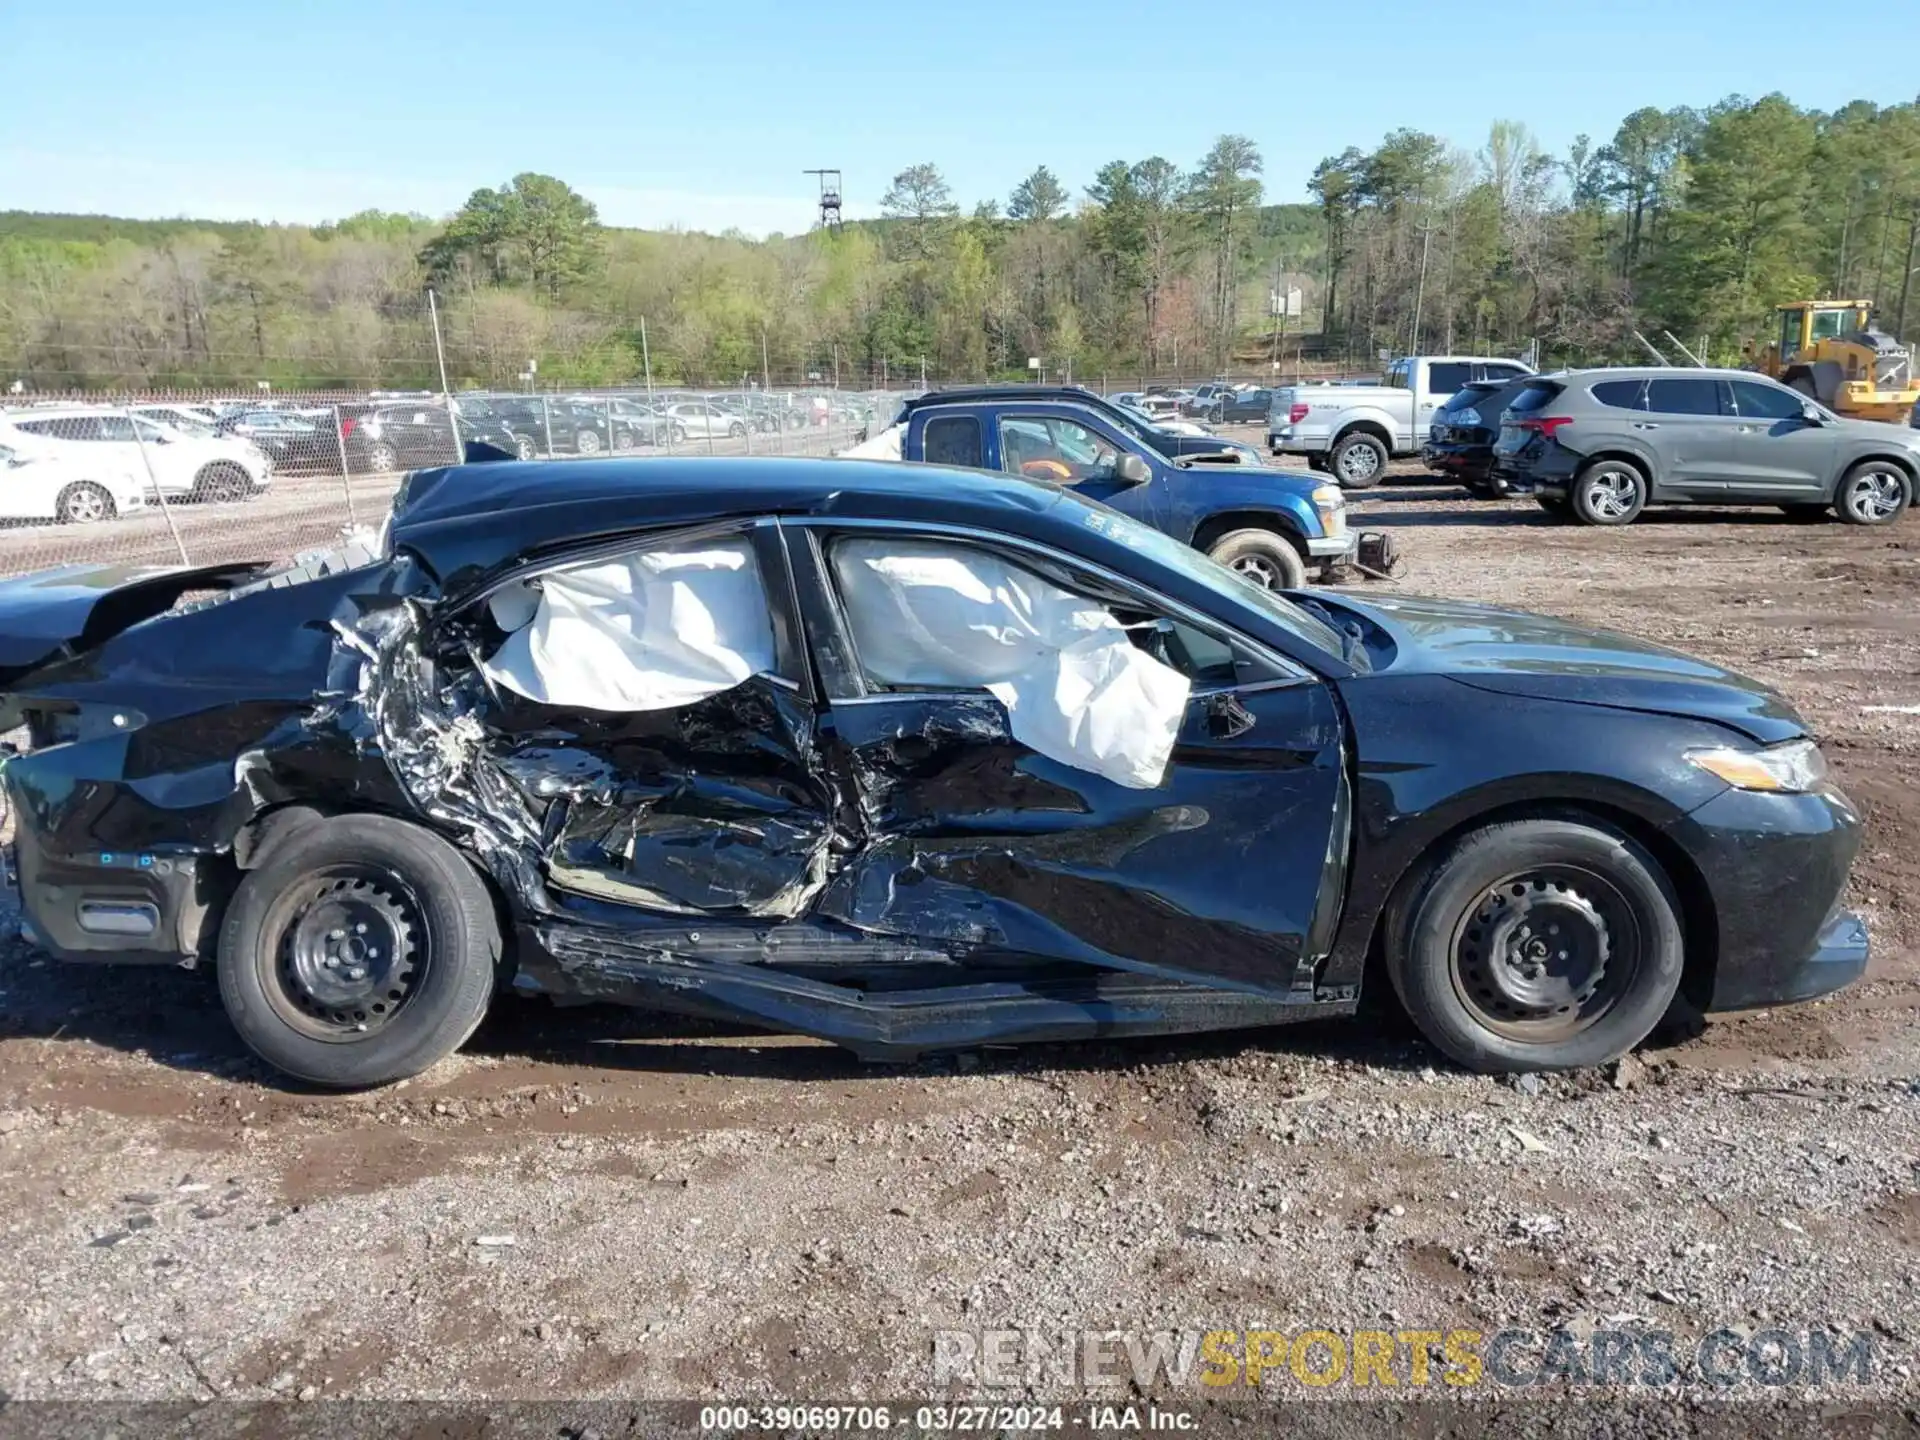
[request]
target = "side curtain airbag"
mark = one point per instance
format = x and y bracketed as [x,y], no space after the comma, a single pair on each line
[1076,689]
[645,632]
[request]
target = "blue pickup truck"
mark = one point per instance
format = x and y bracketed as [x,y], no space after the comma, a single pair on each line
[1269,526]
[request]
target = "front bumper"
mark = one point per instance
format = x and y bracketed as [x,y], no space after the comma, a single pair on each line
[1775,868]
[1334,547]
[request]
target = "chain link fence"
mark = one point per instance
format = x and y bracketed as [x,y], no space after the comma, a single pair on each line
[167,479]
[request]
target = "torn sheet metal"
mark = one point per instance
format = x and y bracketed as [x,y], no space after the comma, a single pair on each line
[1076,689]
[651,631]
[889,444]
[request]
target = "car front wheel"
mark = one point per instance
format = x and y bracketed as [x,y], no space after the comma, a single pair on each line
[1874,492]
[1261,558]
[84,503]
[361,951]
[1537,945]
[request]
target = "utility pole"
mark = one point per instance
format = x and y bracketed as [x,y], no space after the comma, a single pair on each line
[1906,282]
[439,350]
[766,381]
[646,358]
[1420,286]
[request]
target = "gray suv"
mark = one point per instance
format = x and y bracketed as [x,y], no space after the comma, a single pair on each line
[1601,445]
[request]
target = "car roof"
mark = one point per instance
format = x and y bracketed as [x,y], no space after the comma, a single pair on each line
[1656,372]
[470,518]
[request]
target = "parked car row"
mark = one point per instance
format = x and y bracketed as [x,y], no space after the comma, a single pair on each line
[81,464]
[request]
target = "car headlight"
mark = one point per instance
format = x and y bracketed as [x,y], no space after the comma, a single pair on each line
[1331,502]
[1794,768]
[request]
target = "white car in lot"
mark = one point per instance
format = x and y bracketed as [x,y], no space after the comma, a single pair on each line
[699,419]
[182,466]
[42,484]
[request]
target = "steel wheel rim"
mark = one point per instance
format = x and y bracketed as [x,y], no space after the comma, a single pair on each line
[1545,954]
[383,459]
[86,505]
[343,953]
[1611,493]
[1876,496]
[1359,462]
[524,448]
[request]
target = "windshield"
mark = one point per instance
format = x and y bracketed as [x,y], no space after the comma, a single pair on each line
[1192,565]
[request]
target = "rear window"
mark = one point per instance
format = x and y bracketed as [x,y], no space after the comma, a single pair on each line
[1461,399]
[1683,397]
[1620,394]
[1534,396]
[1447,378]
[954,440]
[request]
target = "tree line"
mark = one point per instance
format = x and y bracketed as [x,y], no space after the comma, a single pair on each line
[1688,222]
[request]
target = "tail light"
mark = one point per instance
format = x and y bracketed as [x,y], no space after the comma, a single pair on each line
[1547,425]
[346,427]
[1297,412]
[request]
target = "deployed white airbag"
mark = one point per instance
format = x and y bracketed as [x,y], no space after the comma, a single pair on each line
[644,632]
[1076,689]
[884,446]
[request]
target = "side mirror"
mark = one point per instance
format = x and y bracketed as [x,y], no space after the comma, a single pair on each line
[1131,470]
[1813,414]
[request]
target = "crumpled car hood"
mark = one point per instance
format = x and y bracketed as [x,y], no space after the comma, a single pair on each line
[76,607]
[1514,652]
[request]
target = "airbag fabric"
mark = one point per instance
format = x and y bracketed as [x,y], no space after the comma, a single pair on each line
[645,632]
[1075,688]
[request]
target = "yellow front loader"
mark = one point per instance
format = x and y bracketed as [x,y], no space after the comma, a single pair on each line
[1828,349]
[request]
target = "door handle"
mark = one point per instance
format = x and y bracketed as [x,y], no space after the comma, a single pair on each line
[1646,424]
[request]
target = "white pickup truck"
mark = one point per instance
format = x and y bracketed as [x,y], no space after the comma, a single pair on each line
[1351,431]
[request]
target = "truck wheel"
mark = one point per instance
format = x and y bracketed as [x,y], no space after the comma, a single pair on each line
[1315,462]
[1261,558]
[1358,461]
[361,952]
[1537,945]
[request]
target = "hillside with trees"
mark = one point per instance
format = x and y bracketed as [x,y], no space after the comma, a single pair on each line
[1690,221]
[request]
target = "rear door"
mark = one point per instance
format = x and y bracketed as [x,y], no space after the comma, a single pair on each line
[1228,871]
[1774,454]
[1691,433]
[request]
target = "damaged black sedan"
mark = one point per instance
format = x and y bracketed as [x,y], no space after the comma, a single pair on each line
[904,758]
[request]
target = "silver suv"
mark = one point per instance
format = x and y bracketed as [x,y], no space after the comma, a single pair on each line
[1601,445]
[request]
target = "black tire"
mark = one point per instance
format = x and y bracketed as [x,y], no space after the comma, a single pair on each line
[382,458]
[1608,492]
[1359,461]
[1807,514]
[1554,505]
[524,447]
[310,1003]
[221,483]
[1874,492]
[624,441]
[1495,994]
[1314,462]
[586,442]
[84,503]
[737,431]
[1262,558]
[677,435]
[1482,489]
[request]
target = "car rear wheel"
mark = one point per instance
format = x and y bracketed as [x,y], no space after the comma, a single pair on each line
[1609,492]
[586,442]
[383,459]
[623,441]
[1537,945]
[362,951]
[1261,558]
[221,483]
[84,503]
[1358,461]
[1874,492]
[524,447]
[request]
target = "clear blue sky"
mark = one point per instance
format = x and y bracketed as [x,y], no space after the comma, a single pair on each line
[705,115]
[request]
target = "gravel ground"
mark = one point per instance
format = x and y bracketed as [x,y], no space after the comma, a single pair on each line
[601,1203]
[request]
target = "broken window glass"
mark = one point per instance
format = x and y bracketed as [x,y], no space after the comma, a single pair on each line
[926,615]
[648,631]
